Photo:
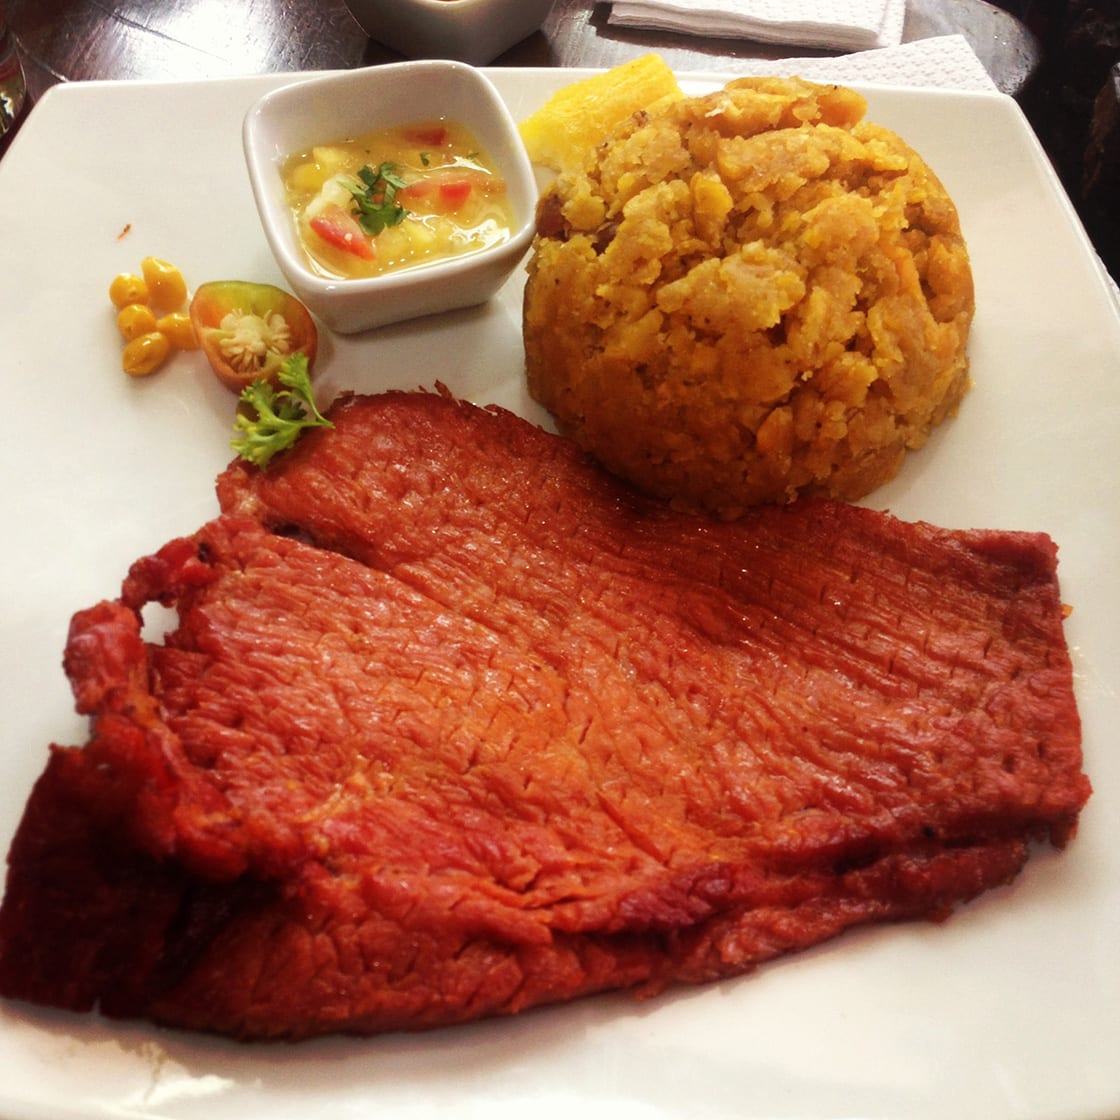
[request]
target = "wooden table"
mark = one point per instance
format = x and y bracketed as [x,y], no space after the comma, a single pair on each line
[70,40]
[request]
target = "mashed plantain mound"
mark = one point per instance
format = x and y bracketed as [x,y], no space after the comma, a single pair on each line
[749,295]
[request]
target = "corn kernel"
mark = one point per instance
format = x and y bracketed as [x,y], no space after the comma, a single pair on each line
[179,329]
[145,354]
[135,319]
[166,285]
[128,288]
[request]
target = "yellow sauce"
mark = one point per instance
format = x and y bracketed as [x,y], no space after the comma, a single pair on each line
[430,182]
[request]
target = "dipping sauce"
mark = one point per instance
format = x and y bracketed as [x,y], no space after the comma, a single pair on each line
[396,198]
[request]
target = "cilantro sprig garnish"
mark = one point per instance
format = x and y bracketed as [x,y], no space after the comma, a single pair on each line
[375,201]
[272,419]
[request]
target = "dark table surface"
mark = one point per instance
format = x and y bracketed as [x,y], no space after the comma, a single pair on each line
[70,40]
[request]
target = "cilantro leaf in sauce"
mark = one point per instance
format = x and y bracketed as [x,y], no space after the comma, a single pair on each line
[375,201]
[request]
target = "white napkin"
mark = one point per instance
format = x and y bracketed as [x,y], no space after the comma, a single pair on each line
[943,62]
[847,25]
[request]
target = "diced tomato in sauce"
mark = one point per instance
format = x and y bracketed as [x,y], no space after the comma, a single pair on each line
[339,229]
[433,135]
[446,193]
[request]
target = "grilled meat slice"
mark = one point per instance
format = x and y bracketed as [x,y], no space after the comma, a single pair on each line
[453,724]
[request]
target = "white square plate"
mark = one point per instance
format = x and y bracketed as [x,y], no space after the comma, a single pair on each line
[1010,1010]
